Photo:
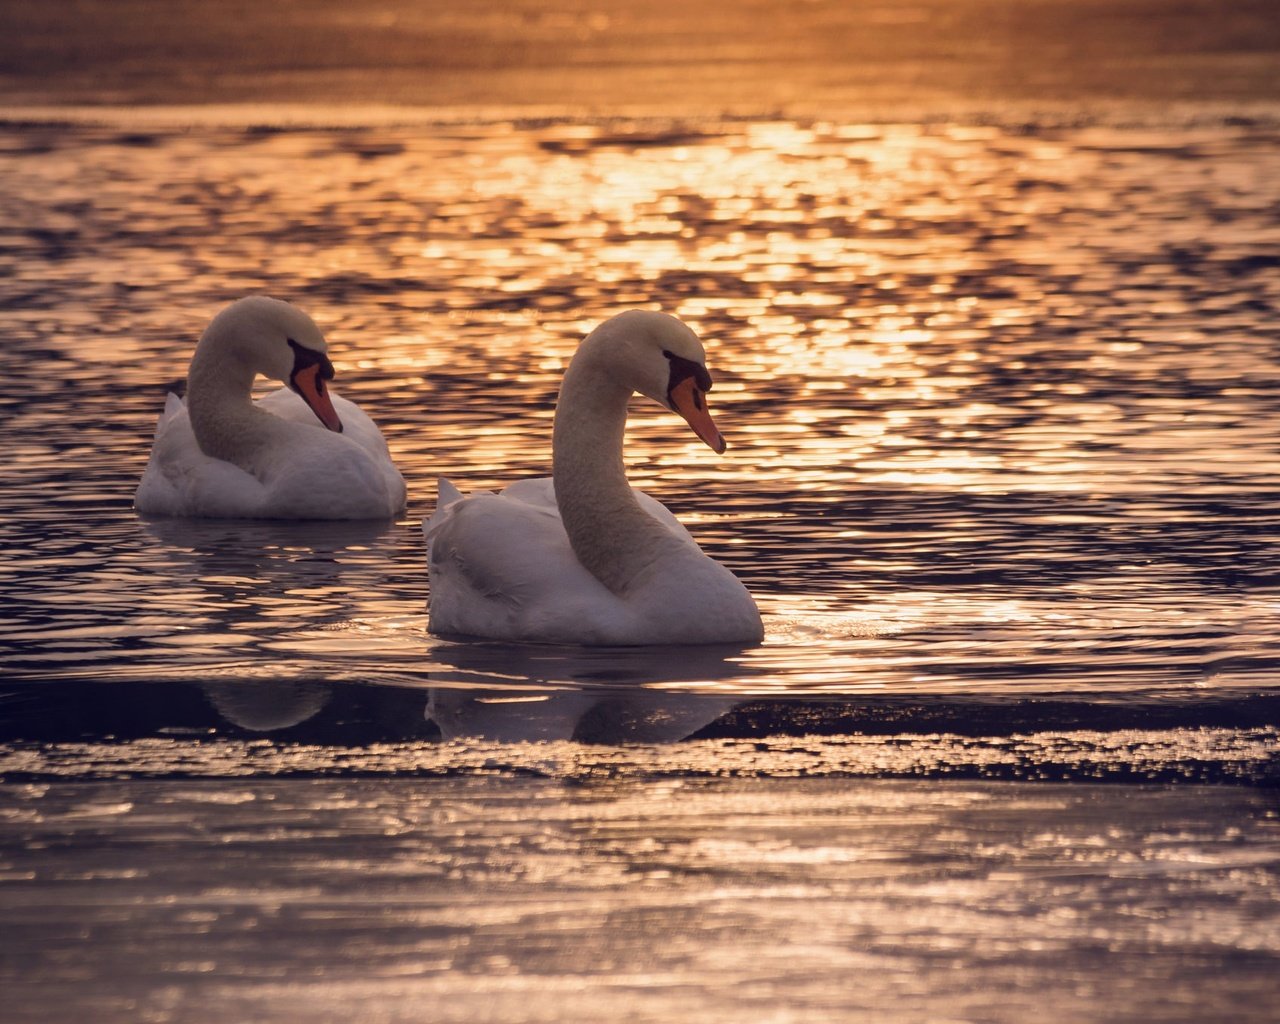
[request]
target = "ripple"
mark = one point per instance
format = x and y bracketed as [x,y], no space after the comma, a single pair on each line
[999,401]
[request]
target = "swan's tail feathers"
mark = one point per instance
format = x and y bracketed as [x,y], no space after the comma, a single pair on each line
[172,406]
[446,493]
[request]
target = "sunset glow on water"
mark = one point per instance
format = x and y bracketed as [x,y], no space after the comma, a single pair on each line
[997,402]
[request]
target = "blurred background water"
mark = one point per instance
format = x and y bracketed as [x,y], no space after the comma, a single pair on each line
[1002,475]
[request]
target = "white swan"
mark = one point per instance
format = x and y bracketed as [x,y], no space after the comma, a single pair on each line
[222,455]
[582,557]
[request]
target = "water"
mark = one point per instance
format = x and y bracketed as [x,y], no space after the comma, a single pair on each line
[1002,475]
[998,401]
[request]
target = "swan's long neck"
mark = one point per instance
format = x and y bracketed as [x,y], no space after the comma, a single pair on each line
[224,419]
[612,536]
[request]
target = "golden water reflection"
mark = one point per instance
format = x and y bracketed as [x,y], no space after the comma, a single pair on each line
[997,400]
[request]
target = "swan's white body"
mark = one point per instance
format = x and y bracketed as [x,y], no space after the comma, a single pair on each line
[220,454]
[584,558]
[309,473]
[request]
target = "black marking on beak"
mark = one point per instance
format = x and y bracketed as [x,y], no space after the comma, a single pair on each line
[307,380]
[304,357]
[683,369]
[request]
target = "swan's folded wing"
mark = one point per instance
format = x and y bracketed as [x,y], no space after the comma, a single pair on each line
[501,548]
[373,472]
[446,492]
[173,407]
[540,492]
[503,568]
[356,425]
[659,512]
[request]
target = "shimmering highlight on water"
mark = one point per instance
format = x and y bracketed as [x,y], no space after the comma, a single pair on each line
[998,400]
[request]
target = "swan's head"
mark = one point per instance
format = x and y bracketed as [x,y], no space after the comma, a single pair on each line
[660,357]
[279,341]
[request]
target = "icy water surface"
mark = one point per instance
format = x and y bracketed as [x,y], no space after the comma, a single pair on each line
[1003,476]
[526,900]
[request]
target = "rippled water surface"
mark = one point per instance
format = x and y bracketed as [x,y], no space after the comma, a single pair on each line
[1000,403]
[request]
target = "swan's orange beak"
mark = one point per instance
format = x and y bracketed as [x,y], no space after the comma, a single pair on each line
[310,385]
[690,401]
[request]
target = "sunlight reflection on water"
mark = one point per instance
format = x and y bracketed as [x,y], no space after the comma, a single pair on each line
[998,402]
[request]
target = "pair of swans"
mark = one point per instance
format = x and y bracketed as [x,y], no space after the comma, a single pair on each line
[580,558]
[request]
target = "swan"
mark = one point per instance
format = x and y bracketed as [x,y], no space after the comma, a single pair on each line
[298,453]
[582,557]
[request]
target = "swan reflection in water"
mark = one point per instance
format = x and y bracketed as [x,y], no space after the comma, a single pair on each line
[258,580]
[589,694]
[252,574]
[262,705]
[268,577]
[505,694]
[229,545]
